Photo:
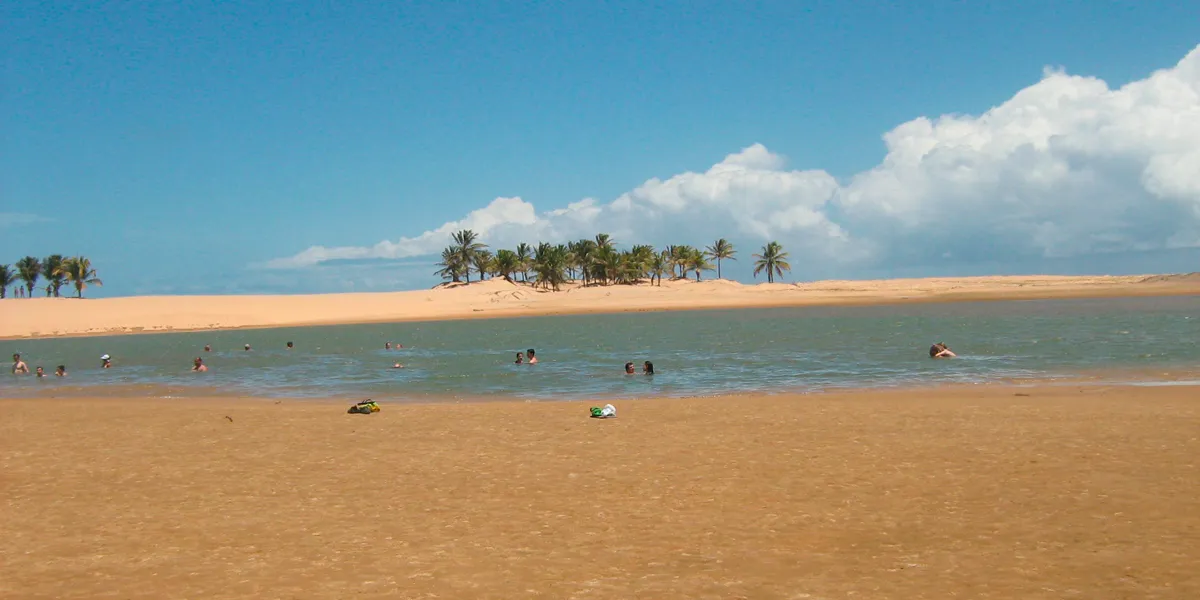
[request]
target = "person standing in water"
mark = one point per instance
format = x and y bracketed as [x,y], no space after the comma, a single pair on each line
[207,348]
[19,367]
[647,368]
[532,358]
[520,359]
[106,362]
[198,365]
[629,368]
[61,371]
[40,372]
[941,350]
[289,345]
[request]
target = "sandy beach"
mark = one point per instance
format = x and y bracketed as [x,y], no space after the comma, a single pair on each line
[54,317]
[988,492]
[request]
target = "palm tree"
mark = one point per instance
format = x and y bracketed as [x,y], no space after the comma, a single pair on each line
[603,240]
[482,261]
[29,269]
[7,278]
[80,273]
[720,250]
[773,260]
[451,265]
[550,265]
[506,264]
[524,260]
[658,265]
[468,246]
[52,270]
[698,261]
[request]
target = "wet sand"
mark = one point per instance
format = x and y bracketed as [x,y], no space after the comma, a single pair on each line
[986,492]
[52,317]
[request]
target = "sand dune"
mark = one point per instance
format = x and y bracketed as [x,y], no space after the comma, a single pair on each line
[48,317]
[983,493]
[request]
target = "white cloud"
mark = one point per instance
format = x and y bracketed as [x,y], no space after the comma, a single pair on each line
[1066,167]
[19,219]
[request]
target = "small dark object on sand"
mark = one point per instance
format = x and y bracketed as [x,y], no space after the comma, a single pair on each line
[229,417]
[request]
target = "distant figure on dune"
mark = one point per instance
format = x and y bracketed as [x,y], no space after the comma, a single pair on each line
[629,368]
[198,365]
[532,358]
[61,371]
[647,368]
[19,367]
[520,358]
[940,350]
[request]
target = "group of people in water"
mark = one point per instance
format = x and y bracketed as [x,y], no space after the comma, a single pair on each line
[528,357]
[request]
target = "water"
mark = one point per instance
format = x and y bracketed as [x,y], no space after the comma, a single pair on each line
[694,353]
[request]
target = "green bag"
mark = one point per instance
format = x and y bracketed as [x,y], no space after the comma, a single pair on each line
[597,411]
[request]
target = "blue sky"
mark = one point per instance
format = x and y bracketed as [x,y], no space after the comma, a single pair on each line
[184,145]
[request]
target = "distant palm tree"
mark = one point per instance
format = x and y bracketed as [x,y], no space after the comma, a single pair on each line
[80,273]
[524,260]
[659,264]
[721,250]
[482,261]
[29,269]
[468,246]
[550,265]
[698,261]
[7,278]
[773,260]
[55,277]
[451,265]
[506,264]
[603,240]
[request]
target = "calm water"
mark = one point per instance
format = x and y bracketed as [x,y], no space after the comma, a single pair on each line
[694,353]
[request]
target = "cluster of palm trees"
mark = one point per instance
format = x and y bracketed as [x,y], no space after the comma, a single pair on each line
[56,270]
[594,261]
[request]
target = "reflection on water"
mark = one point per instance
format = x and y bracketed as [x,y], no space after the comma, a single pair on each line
[694,353]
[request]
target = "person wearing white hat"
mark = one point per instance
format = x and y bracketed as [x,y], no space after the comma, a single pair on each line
[107,362]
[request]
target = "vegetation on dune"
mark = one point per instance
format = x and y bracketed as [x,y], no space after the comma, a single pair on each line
[56,270]
[594,261]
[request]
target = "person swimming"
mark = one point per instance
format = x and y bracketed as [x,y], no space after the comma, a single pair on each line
[198,365]
[520,358]
[61,371]
[397,366]
[647,368]
[207,348]
[629,368]
[532,358]
[387,345]
[40,372]
[106,362]
[289,345]
[941,350]
[19,367]
[247,347]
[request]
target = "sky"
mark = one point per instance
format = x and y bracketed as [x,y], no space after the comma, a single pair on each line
[267,147]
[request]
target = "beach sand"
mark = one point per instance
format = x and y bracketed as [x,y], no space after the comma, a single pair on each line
[983,492]
[50,317]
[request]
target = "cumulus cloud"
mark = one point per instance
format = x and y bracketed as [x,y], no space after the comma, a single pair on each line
[1066,167]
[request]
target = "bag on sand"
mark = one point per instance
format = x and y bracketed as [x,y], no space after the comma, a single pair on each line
[364,408]
[608,412]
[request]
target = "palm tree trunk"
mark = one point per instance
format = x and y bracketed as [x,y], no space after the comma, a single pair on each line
[718,268]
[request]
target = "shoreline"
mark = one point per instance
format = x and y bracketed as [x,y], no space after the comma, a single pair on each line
[1099,380]
[994,491]
[136,315]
